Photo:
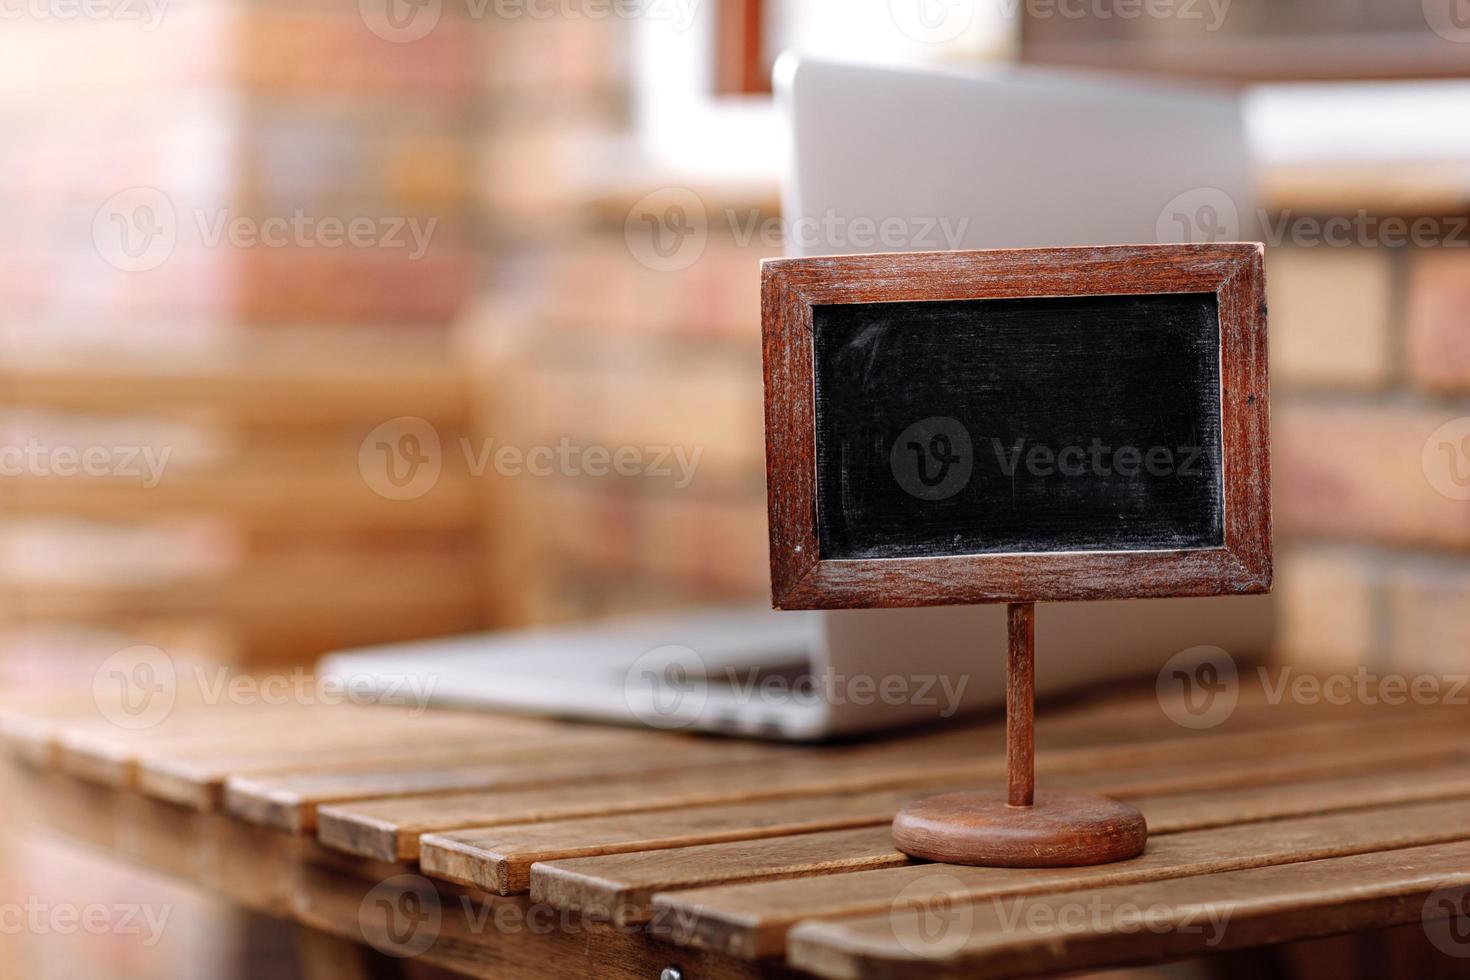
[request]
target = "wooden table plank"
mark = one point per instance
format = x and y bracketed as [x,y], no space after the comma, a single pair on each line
[80,731]
[197,779]
[499,859]
[1186,916]
[751,921]
[290,802]
[389,829]
[621,886]
[99,755]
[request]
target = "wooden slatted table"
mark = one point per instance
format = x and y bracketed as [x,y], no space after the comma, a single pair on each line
[506,847]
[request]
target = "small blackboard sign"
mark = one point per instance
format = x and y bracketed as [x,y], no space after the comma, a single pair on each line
[1015,426]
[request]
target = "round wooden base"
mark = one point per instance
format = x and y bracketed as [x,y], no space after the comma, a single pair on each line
[1062,830]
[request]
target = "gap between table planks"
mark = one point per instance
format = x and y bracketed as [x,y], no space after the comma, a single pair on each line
[1187,916]
[389,829]
[93,746]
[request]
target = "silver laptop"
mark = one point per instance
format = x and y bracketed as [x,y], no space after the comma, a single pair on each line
[887,160]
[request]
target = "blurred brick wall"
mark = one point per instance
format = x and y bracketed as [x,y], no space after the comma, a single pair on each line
[1371,370]
[260,364]
[600,345]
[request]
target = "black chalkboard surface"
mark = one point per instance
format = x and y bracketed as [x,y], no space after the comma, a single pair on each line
[1047,424]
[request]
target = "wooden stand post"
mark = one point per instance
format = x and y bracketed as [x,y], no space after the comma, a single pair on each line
[1021,704]
[1022,829]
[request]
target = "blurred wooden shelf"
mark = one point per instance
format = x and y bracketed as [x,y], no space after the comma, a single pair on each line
[1286,58]
[1400,189]
[281,588]
[254,497]
[283,388]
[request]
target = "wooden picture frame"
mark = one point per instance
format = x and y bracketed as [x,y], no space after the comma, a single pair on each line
[802,579]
